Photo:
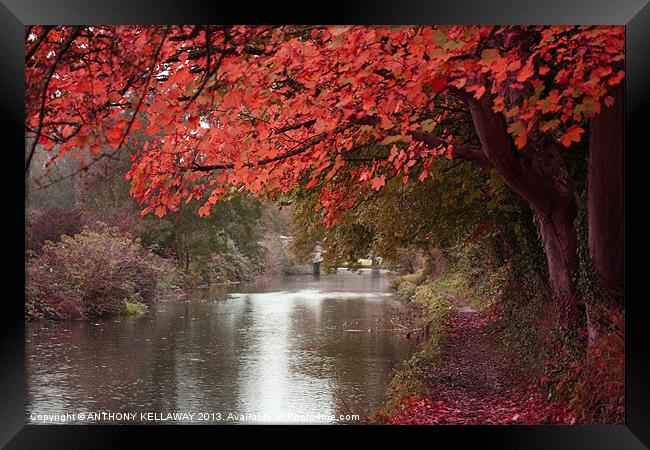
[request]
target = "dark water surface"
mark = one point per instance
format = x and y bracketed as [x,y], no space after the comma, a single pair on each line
[275,352]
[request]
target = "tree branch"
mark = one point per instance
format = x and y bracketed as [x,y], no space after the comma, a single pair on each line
[32,50]
[209,74]
[461,151]
[145,89]
[370,120]
[307,123]
[48,77]
[537,173]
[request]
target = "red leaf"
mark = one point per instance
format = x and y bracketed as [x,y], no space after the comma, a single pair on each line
[616,78]
[114,97]
[160,211]
[438,84]
[114,135]
[479,92]
[571,135]
[378,182]
[526,72]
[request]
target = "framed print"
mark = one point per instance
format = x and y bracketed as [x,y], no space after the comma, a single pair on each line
[389,220]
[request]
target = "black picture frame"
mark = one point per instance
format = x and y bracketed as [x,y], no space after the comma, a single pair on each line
[634,14]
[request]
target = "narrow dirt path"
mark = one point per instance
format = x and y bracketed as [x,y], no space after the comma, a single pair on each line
[471,385]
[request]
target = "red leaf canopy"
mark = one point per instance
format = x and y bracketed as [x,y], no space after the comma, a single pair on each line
[210,110]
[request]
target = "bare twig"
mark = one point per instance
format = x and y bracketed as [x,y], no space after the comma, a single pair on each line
[64,47]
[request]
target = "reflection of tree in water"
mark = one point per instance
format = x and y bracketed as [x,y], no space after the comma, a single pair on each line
[207,361]
[364,358]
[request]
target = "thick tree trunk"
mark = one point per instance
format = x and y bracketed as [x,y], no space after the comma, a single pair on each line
[537,174]
[605,192]
[560,245]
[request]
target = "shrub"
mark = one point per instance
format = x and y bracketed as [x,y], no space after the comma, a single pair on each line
[52,224]
[406,285]
[599,395]
[92,274]
[127,224]
[591,382]
[134,308]
[230,264]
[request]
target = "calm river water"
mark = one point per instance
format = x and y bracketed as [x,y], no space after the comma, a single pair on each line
[275,352]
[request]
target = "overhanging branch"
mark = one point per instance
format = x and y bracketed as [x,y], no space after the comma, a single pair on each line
[466,152]
[370,120]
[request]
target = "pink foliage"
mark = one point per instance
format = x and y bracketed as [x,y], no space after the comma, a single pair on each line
[89,275]
[53,223]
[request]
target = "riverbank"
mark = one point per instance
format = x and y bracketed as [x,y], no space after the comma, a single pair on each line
[88,269]
[490,355]
[465,379]
[426,315]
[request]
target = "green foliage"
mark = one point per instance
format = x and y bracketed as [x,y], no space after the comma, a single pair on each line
[525,329]
[504,272]
[476,274]
[222,247]
[512,284]
[405,261]
[344,244]
[439,213]
[406,285]
[134,309]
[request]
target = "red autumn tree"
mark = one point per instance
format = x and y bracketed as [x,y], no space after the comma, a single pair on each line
[223,108]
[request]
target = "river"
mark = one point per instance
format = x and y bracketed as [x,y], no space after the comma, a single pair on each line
[296,350]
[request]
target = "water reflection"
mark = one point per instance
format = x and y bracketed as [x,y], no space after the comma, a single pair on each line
[277,351]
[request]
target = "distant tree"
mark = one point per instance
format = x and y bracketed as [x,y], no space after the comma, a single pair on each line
[231,236]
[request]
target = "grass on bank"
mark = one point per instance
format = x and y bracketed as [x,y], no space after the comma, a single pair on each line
[426,297]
